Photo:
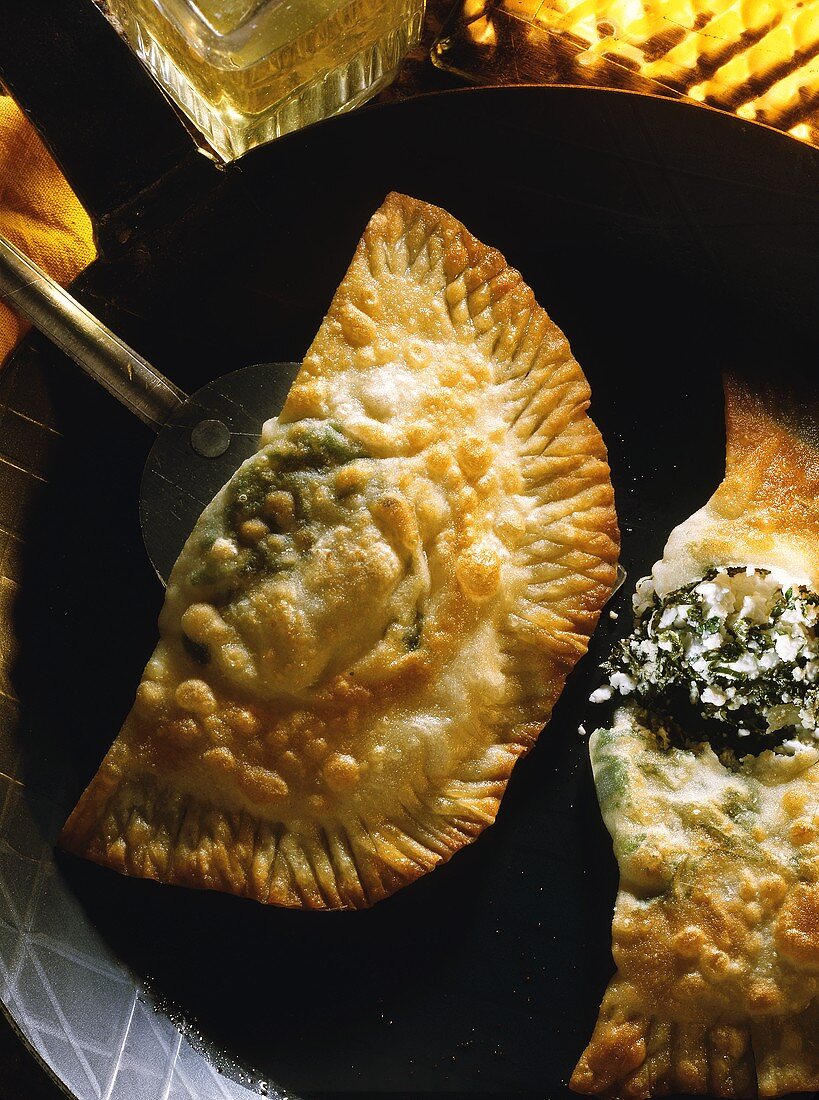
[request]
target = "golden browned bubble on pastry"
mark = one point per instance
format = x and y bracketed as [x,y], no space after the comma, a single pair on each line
[716,925]
[372,621]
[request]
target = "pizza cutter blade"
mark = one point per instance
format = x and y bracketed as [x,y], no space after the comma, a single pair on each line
[202,438]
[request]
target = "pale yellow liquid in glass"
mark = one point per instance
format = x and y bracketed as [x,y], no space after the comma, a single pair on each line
[243,60]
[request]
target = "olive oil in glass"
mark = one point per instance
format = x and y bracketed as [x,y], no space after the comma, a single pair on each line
[247,71]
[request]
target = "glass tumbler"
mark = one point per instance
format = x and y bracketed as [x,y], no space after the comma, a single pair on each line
[247,71]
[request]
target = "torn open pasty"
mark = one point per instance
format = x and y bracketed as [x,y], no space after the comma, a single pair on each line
[708,779]
[373,619]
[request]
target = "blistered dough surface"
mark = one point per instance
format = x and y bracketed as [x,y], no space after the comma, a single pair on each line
[372,620]
[716,925]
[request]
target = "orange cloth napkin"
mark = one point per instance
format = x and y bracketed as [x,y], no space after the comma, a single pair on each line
[38,212]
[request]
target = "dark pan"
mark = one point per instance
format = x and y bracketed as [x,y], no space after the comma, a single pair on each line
[669,242]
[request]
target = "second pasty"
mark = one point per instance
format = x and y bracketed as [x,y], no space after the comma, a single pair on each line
[708,780]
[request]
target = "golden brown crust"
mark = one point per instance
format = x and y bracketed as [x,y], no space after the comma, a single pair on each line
[373,620]
[716,926]
[651,1056]
[766,509]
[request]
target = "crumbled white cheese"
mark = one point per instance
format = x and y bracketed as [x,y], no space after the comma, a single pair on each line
[742,642]
[713,695]
[786,647]
[716,596]
[793,746]
[622,682]
[601,694]
[749,664]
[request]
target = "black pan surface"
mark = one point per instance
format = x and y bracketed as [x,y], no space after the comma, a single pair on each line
[669,242]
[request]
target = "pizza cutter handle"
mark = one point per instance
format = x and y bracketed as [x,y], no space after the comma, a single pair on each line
[52,310]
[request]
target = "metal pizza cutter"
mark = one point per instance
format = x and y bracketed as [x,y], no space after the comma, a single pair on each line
[202,438]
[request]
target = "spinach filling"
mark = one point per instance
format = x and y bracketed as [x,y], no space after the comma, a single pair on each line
[255,538]
[733,658]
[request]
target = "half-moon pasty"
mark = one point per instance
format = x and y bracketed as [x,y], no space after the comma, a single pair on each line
[708,780]
[371,622]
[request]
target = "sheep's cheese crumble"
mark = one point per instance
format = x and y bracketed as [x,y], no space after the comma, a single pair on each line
[737,652]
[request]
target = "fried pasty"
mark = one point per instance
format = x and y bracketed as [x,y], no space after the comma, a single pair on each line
[716,926]
[373,619]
